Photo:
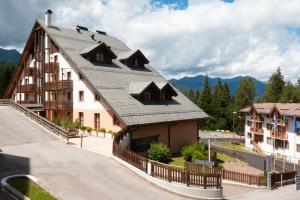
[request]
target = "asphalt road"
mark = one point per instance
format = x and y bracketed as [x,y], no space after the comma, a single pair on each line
[67,172]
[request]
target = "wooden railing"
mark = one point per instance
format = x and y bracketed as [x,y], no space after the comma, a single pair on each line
[279,135]
[257,147]
[51,67]
[166,172]
[59,85]
[4,102]
[249,179]
[259,131]
[26,88]
[58,105]
[29,71]
[37,118]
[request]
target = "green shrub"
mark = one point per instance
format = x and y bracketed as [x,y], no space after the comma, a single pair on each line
[196,151]
[66,122]
[159,152]
[89,129]
[110,131]
[83,128]
[102,130]
[56,120]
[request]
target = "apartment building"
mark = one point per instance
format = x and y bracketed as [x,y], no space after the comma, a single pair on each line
[95,78]
[273,129]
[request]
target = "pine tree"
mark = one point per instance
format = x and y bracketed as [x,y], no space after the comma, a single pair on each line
[274,87]
[245,94]
[191,95]
[290,93]
[205,98]
[6,72]
[217,99]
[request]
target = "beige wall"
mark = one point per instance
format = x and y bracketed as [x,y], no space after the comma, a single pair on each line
[106,119]
[181,133]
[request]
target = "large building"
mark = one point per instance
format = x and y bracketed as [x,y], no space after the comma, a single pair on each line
[273,129]
[97,79]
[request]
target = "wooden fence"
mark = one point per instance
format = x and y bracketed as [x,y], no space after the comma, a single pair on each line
[36,118]
[284,178]
[164,171]
[249,179]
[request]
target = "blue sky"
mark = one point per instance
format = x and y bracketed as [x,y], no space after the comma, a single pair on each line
[179,4]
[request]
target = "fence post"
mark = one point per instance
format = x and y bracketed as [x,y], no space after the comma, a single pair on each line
[205,181]
[169,174]
[188,178]
[269,180]
[149,167]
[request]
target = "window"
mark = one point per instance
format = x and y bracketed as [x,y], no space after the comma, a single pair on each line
[69,76]
[97,97]
[143,144]
[269,126]
[97,57]
[69,96]
[147,96]
[249,135]
[298,147]
[81,118]
[80,77]
[55,58]
[269,140]
[81,96]
[97,120]
[135,62]
[101,57]
[249,123]
[162,96]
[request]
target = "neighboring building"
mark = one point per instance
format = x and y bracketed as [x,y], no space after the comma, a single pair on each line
[98,80]
[261,132]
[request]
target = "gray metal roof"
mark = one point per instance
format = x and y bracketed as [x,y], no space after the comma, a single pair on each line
[137,88]
[115,82]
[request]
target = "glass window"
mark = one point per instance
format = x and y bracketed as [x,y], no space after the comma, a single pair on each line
[97,120]
[147,96]
[143,144]
[81,96]
[81,118]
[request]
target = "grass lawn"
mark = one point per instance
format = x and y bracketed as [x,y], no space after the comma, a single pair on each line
[30,189]
[237,147]
[177,161]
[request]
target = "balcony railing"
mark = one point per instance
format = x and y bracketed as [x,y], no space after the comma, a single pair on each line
[59,85]
[25,88]
[51,67]
[256,119]
[257,131]
[58,105]
[279,135]
[29,71]
[26,102]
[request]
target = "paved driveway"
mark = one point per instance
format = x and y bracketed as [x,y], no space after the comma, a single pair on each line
[65,171]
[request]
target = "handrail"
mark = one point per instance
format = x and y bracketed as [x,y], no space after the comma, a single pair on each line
[4,102]
[37,118]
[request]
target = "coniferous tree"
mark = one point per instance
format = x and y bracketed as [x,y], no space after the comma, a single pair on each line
[205,99]
[274,87]
[290,93]
[6,72]
[191,95]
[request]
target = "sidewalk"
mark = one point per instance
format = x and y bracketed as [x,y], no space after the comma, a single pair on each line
[96,144]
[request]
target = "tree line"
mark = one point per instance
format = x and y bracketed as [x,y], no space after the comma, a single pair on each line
[6,71]
[223,108]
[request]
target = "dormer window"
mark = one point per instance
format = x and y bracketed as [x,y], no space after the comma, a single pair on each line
[162,96]
[135,62]
[98,54]
[147,96]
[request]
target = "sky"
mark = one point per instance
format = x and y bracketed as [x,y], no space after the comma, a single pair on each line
[221,38]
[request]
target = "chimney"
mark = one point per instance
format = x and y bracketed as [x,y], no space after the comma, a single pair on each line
[48,17]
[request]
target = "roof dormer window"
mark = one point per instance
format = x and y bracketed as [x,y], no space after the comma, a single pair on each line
[100,57]
[135,62]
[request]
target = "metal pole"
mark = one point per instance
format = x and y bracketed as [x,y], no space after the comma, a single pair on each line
[81,138]
[209,150]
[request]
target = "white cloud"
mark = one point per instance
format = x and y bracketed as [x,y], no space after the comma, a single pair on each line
[222,39]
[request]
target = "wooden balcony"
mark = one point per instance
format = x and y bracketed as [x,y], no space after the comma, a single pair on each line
[51,67]
[25,88]
[279,135]
[58,105]
[59,85]
[258,131]
[29,71]
[256,119]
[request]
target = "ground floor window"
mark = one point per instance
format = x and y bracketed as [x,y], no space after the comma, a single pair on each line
[143,144]
[97,120]
[249,135]
[81,118]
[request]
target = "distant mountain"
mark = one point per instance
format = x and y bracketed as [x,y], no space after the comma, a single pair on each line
[12,54]
[197,83]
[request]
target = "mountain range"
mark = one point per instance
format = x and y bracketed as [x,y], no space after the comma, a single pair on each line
[11,54]
[197,83]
